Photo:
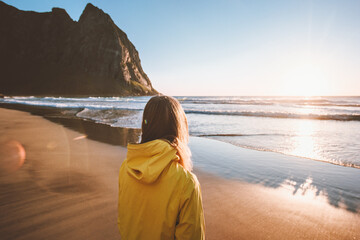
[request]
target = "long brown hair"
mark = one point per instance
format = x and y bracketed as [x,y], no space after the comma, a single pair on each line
[164,118]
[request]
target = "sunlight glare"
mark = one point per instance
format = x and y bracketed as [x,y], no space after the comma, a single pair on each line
[304,144]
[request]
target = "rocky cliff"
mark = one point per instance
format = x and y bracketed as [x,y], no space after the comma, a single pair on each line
[50,54]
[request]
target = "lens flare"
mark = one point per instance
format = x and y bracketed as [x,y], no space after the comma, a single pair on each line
[12,156]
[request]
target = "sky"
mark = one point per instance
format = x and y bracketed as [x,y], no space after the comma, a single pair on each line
[235,47]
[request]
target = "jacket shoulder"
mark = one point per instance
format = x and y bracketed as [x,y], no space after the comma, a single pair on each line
[188,178]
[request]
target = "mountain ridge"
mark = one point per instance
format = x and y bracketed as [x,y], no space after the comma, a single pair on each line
[50,54]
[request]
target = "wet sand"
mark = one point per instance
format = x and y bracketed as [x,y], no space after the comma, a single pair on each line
[67,189]
[238,210]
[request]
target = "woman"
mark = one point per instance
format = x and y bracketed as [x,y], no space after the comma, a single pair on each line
[159,196]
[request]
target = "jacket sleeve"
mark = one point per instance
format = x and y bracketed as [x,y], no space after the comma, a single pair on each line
[191,223]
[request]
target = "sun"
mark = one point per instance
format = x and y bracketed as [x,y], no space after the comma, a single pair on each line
[306,79]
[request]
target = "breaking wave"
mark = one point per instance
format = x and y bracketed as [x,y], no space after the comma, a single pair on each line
[339,117]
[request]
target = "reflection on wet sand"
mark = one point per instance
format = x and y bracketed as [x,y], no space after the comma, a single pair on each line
[306,190]
[337,184]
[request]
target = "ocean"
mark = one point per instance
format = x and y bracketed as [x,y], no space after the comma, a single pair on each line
[318,128]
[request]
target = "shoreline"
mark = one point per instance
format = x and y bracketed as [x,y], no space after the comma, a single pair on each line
[101,132]
[75,180]
[337,184]
[276,171]
[348,165]
[95,131]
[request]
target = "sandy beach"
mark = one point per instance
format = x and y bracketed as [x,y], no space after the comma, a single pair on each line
[67,189]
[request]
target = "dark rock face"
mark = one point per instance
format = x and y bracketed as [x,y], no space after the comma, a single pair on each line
[50,54]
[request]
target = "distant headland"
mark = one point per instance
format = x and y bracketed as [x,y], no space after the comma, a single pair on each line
[50,54]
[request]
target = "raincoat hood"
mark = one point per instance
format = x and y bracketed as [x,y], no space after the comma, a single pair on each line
[145,162]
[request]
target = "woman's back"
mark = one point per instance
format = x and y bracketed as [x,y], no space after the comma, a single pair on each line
[158,198]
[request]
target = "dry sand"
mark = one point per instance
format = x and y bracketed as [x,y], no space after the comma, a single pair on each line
[67,189]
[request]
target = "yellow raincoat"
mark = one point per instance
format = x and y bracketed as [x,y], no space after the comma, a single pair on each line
[158,198]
